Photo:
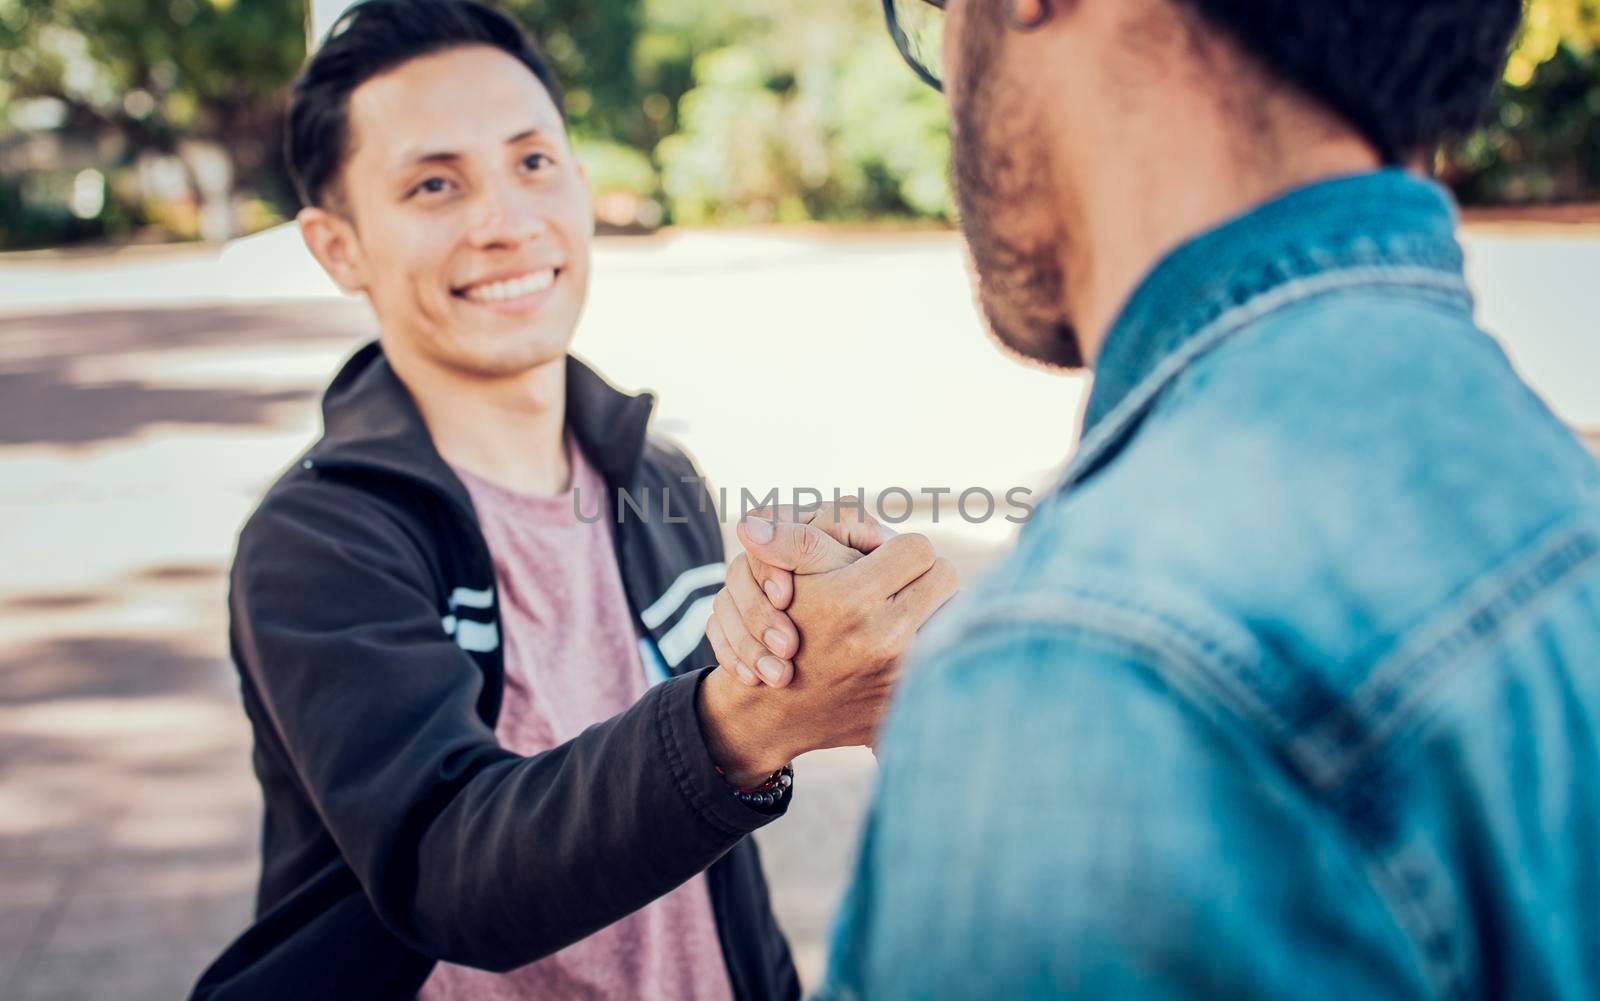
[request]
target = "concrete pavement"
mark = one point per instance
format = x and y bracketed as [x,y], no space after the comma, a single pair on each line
[146,400]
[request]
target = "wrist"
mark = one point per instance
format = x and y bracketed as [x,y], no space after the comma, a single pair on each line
[771,794]
[739,730]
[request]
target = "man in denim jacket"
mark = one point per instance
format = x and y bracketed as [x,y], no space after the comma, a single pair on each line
[1292,689]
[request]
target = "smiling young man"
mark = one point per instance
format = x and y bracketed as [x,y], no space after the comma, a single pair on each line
[491,766]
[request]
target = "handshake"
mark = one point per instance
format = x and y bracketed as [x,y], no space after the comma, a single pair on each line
[809,630]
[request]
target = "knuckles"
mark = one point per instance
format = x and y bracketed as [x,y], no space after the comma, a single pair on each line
[810,545]
[893,639]
[914,549]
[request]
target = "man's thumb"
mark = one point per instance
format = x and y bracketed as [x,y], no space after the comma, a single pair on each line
[788,545]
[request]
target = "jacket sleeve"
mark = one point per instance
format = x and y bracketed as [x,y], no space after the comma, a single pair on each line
[468,852]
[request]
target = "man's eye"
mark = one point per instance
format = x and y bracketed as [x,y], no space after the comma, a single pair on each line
[430,186]
[535,161]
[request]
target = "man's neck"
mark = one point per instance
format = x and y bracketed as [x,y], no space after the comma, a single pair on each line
[510,431]
[1161,184]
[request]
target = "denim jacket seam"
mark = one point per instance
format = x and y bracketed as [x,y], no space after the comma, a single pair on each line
[1401,680]
[1430,929]
[1392,694]
[1098,443]
[1180,659]
[1168,638]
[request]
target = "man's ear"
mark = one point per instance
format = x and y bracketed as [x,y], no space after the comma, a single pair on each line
[332,240]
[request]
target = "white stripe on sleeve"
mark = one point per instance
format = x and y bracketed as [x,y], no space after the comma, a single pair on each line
[687,583]
[682,638]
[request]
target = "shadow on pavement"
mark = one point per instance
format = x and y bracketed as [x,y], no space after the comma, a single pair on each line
[39,407]
[45,398]
[104,667]
[128,841]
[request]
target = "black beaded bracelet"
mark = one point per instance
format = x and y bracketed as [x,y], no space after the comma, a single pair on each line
[771,793]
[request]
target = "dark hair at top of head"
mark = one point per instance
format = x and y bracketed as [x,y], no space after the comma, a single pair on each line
[1407,74]
[372,38]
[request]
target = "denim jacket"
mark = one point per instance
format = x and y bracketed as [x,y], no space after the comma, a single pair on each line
[1292,687]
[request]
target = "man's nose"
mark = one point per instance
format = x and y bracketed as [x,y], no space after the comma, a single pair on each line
[505,215]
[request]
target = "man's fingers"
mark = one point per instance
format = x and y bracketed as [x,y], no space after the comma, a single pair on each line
[847,521]
[786,512]
[750,651]
[849,524]
[893,565]
[727,660]
[791,546]
[774,629]
[775,582]
[928,593]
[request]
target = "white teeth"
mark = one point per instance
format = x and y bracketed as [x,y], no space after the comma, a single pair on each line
[516,288]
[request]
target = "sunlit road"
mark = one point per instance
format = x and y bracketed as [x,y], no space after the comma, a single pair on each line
[147,399]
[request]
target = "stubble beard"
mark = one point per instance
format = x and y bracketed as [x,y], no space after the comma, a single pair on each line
[1002,184]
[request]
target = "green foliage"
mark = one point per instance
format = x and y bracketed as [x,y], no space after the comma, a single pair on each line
[590,43]
[716,111]
[805,112]
[141,76]
[1548,26]
[158,69]
[1541,143]
[615,167]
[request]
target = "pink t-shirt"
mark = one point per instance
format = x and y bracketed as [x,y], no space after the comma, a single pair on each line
[572,659]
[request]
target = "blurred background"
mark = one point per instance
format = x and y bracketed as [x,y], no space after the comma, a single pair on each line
[150,121]
[777,265]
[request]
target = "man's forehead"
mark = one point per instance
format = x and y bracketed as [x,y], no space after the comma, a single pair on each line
[454,102]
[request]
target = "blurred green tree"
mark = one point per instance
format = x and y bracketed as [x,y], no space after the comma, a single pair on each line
[1541,141]
[1547,26]
[709,110]
[591,44]
[139,76]
[801,110]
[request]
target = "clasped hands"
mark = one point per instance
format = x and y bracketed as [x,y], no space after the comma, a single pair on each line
[818,612]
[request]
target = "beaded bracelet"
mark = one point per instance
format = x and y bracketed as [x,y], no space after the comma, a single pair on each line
[769,793]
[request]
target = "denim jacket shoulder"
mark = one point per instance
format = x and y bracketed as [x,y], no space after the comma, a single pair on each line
[1351,476]
[1323,506]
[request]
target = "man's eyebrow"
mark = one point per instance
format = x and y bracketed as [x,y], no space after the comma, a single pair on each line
[411,158]
[429,156]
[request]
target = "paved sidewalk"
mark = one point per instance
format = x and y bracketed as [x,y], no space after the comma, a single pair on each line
[142,411]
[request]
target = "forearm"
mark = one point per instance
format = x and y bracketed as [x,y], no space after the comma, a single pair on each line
[535,856]
[472,854]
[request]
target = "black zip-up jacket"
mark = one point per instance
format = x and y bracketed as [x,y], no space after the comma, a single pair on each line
[398,832]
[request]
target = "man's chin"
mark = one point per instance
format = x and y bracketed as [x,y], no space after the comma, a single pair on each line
[1051,344]
[504,354]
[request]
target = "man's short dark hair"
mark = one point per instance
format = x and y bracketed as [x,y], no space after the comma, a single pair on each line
[1407,73]
[372,38]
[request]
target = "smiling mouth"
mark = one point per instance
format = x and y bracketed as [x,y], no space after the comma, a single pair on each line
[512,288]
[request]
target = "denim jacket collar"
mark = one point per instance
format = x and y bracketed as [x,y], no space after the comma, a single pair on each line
[1362,229]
